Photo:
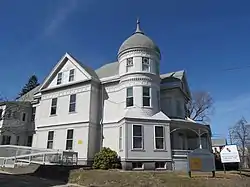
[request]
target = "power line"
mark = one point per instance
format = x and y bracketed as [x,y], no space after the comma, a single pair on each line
[235,68]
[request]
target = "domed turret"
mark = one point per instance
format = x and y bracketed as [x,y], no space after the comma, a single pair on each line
[138,41]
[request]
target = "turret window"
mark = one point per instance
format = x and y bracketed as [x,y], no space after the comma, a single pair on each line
[145,64]
[146,96]
[129,98]
[129,64]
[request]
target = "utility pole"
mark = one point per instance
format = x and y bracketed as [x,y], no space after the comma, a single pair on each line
[230,136]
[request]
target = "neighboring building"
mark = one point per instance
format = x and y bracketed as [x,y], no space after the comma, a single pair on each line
[16,124]
[125,105]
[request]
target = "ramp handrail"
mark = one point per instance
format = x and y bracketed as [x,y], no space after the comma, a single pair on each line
[41,156]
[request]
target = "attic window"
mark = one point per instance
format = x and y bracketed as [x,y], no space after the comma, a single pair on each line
[129,64]
[59,78]
[145,64]
[71,75]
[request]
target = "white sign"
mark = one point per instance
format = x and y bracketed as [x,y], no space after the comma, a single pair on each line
[229,154]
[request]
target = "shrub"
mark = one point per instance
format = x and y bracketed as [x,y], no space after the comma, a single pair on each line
[106,159]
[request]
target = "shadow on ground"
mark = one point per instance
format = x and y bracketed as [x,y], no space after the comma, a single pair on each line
[25,180]
[36,175]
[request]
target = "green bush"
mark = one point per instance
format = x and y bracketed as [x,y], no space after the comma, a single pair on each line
[106,159]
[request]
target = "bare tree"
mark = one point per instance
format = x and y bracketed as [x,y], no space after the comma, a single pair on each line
[200,107]
[240,134]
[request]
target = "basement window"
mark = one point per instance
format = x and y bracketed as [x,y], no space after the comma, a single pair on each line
[137,165]
[160,165]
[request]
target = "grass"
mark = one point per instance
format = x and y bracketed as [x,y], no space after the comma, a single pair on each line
[113,178]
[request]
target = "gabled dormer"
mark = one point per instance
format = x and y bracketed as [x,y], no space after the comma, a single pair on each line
[176,80]
[68,71]
[175,94]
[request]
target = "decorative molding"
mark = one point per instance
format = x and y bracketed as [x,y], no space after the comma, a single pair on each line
[131,82]
[139,53]
[66,92]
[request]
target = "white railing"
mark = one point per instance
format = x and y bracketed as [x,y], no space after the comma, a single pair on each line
[11,155]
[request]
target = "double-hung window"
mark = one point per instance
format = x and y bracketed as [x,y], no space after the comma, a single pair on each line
[145,64]
[69,141]
[72,103]
[146,96]
[53,106]
[159,137]
[129,64]
[59,78]
[137,137]
[129,97]
[50,140]
[71,75]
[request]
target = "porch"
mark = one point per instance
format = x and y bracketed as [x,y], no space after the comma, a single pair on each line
[187,136]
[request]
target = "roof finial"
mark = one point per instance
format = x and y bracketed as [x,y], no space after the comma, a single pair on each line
[138,29]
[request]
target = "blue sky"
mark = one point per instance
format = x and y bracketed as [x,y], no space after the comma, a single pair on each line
[205,38]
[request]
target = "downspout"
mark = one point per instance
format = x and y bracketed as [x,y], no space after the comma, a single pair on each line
[102,114]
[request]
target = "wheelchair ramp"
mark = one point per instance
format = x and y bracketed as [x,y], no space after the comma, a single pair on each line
[13,156]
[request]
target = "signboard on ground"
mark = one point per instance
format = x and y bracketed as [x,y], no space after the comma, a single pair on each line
[201,160]
[229,154]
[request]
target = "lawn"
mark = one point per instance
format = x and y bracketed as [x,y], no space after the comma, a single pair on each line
[114,178]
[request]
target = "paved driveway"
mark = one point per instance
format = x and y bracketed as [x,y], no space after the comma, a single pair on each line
[11,180]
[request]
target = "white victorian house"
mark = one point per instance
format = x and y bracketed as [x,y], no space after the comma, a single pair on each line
[125,105]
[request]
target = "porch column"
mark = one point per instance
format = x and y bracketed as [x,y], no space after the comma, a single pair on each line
[199,136]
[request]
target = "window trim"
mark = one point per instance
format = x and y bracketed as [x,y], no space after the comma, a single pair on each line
[129,64]
[147,64]
[130,96]
[164,138]
[142,137]
[71,75]
[51,105]
[150,96]
[71,139]
[72,103]
[59,78]
[48,140]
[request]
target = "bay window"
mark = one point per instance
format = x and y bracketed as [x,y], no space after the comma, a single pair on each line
[159,137]
[137,137]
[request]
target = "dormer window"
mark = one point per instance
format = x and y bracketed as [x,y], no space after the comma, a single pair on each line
[71,75]
[59,78]
[145,64]
[129,64]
